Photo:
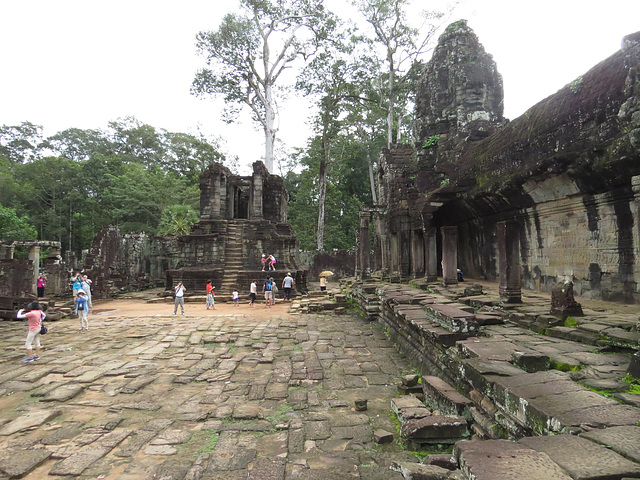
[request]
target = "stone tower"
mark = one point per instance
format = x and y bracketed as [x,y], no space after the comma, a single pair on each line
[460,97]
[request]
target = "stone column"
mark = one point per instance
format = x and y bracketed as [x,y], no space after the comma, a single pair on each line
[509,261]
[215,201]
[34,256]
[449,255]
[6,252]
[417,254]
[256,196]
[430,255]
[363,256]
[404,248]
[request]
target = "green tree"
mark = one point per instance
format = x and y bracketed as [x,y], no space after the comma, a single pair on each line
[248,53]
[20,143]
[177,220]
[14,227]
[401,46]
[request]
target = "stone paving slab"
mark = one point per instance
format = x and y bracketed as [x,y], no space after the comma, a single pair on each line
[582,458]
[505,460]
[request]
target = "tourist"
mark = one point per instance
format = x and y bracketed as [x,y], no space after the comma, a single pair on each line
[86,286]
[287,284]
[35,315]
[253,290]
[77,284]
[179,293]
[82,308]
[460,275]
[266,289]
[264,261]
[272,263]
[40,284]
[323,283]
[211,293]
[274,290]
[236,297]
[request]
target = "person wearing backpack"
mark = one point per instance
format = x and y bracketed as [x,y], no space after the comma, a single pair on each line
[266,289]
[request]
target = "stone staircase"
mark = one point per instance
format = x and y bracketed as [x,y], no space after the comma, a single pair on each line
[233,263]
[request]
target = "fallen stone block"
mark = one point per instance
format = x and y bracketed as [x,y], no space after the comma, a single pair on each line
[531,362]
[436,427]
[418,471]
[382,436]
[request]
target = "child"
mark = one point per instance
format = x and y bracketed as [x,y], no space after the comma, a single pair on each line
[272,262]
[35,315]
[82,307]
[211,293]
[264,261]
[236,298]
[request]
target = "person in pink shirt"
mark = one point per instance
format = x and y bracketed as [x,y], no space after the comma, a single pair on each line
[34,314]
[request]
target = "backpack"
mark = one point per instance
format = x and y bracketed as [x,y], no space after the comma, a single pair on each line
[267,286]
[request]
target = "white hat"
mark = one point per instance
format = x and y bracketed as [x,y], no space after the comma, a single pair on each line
[81,292]
[263,255]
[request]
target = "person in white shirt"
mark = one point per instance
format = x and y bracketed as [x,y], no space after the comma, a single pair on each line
[253,291]
[179,298]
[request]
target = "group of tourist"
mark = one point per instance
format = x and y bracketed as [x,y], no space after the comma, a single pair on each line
[82,299]
[269,290]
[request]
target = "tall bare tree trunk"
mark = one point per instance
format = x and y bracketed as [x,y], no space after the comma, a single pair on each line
[372,182]
[322,186]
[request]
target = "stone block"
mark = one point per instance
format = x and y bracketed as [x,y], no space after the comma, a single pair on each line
[623,440]
[436,427]
[443,397]
[382,436]
[531,362]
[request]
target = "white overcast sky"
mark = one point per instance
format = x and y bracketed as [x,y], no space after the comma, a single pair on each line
[83,63]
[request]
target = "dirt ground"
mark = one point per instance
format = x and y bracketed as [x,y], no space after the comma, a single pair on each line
[140,307]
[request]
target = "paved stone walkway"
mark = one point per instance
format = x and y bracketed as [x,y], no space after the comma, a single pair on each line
[195,397]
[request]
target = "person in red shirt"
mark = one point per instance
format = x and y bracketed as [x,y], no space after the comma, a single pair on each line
[34,314]
[211,293]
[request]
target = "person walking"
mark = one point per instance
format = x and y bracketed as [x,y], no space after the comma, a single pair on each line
[82,309]
[253,290]
[266,289]
[287,284]
[40,284]
[179,289]
[86,286]
[34,314]
[211,293]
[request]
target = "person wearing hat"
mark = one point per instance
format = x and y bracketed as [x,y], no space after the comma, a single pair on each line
[264,261]
[287,285]
[82,308]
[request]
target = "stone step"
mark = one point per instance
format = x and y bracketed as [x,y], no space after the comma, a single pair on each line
[439,395]
[452,318]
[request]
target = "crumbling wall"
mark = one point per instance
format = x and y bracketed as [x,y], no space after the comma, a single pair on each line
[567,172]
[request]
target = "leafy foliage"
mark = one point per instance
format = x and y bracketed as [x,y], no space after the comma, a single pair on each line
[130,174]
[13,227]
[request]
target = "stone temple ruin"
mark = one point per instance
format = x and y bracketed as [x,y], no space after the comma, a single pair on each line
[241,217]
[550,196]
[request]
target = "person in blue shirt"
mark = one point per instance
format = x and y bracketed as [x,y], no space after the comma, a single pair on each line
[82,308]
[77,284]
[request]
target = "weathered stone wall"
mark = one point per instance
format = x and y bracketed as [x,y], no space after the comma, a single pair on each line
[567,172]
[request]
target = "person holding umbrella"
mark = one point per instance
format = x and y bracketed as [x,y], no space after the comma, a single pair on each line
[323,279]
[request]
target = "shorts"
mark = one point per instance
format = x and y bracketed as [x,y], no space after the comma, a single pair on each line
[267,294]
[32,337]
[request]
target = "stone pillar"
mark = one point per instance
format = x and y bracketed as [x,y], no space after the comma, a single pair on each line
[6,252]
[404,247]
[256,196]
[232,193]
[430,255]
[222,196]
[363,255]
[509,261]
[449,255]
[34,256]
[215,200]
[417,254]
